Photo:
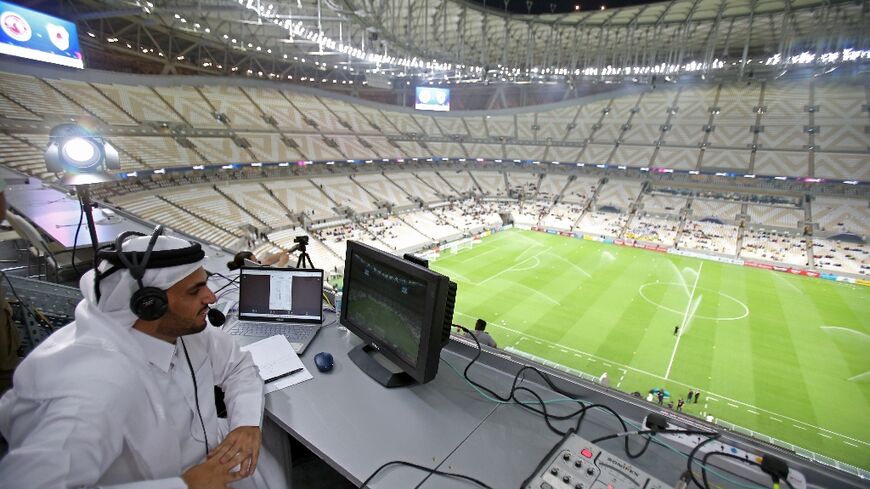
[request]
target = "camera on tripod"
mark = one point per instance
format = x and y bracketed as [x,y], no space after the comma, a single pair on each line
[302,240]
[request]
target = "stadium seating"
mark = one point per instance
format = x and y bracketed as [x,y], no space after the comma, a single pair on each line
[834,216]
[624,129]
[653,229]
[840,256]
[709,236]
[774,246]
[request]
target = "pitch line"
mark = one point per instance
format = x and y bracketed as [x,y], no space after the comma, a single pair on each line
[584,272]
[685,319]
[509,269]
[629,367]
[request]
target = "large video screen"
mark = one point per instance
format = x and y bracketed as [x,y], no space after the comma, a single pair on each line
[33,35]
[429,98]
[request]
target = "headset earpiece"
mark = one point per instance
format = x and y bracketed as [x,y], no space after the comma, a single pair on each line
[149,303]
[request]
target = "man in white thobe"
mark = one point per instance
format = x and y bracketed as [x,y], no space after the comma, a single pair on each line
[109,400]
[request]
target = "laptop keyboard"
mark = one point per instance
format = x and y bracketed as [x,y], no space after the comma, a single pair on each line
[297,334]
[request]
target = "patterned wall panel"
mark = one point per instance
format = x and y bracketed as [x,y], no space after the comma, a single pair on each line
[730,159]
[730,136]
[378,118]
[596,153]
[843,166]
[525,122]
[632,155]
[451,126]
[190,105]
[475,150]
[782,163]
[642,133]
[86,96]
[428,124]
[497,126]
[276,106]
[232,102]
[790,136]
[270,148]
[677,158]
[221,150]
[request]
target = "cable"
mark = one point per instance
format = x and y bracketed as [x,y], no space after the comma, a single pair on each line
[76,240]
[24,305]
[231,282]
[195,396]
[721,454]
[491,396]
[425,469]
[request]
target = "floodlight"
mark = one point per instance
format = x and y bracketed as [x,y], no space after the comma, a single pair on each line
[82,157]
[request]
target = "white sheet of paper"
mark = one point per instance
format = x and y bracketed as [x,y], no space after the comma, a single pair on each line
[274,356]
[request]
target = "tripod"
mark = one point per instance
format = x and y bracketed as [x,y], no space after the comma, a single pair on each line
[303,258]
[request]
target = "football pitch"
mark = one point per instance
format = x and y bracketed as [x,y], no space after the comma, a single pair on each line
[787,356]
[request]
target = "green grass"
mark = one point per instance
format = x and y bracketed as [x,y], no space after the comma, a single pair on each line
[783,355]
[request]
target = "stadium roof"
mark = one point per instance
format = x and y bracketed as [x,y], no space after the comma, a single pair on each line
[458,38]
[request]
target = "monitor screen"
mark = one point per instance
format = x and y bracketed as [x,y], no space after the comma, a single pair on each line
[33,35]
[397,307]
[429,98]
[281,294]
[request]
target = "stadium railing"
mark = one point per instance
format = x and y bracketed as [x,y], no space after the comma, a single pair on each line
[816,457]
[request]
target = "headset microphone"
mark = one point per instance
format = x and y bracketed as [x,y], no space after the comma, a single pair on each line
[216,318]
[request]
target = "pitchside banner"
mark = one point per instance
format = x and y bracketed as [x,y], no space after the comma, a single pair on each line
[33,35]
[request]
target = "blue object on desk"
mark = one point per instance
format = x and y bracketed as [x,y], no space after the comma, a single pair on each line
[324,361]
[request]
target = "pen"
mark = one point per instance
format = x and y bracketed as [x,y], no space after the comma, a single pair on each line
[288,374]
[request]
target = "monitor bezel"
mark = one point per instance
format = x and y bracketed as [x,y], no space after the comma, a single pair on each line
[436,297]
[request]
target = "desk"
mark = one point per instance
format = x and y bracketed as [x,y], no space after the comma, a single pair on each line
[356,425]
[57,215]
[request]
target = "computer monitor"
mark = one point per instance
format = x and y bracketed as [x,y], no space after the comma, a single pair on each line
[400,310]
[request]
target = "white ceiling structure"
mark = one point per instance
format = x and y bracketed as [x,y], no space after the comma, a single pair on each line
[458,40]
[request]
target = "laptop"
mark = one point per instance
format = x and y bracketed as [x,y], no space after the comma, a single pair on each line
[285,301]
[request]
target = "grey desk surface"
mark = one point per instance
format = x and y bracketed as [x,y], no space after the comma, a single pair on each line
[356,425]
[57,215]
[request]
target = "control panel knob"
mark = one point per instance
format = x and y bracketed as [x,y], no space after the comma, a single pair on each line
[578,485]
[554,471]
[566,478]
[578,463]
[566,457]
[589,471]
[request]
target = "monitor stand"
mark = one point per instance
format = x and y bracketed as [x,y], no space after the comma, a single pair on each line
[363,357]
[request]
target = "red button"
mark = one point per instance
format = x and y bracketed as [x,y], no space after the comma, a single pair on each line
[586,453]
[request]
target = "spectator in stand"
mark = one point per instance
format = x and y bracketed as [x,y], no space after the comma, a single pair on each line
[482,336]
[279,259]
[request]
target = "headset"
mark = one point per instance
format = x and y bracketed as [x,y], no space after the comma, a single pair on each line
[147,303]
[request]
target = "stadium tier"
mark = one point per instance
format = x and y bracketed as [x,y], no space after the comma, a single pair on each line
[662,207]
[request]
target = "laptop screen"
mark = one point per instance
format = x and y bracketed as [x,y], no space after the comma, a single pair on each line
[281,294]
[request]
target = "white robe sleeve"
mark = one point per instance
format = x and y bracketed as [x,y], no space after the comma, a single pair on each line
[69,443]
[238,377]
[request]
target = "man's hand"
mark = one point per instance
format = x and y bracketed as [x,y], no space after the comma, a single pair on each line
[214,473]
[243,441]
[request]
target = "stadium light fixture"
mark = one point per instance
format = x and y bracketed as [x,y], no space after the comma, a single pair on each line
[82,157]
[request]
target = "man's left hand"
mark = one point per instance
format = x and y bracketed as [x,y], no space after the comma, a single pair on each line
[244,440]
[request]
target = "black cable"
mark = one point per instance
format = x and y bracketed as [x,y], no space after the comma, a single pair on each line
[425,469]
[653,432]
[691,458]
[721,454]
[543,411]
[195,396]
[76,240]
[231,281]
[24,304]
